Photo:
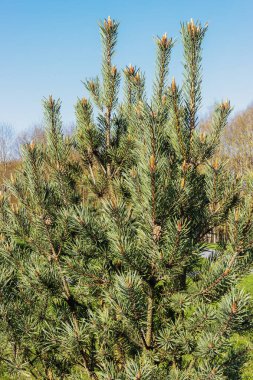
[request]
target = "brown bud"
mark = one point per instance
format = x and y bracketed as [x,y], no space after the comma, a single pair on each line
[192,29]
[225,105]
[216,165]
[84,102]
[182,183]
[164,41]
[152,162]
[226,272]
[32,145]
[164,38]
[114,71]
[137,77]
[108,23]
[153,114]
[173,85]
[179,226]
[164,98]
[92,85]
[48,221]
[236,215]
[14,207]
[184,166]
[234,308]
[156,232]
[51,101]
[131,69]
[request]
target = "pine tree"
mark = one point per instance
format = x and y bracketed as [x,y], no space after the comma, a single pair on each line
[104,234]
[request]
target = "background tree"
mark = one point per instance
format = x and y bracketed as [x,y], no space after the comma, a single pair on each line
[6,143]
[6,150]
[236,142]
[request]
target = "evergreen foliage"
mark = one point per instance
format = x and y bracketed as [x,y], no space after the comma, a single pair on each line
[104,234]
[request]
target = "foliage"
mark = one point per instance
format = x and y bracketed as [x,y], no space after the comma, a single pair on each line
[103,267]
[242,348]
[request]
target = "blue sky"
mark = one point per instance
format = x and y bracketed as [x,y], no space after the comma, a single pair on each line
[49,46]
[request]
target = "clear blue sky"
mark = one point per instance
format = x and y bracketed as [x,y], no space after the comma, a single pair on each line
[49,46]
